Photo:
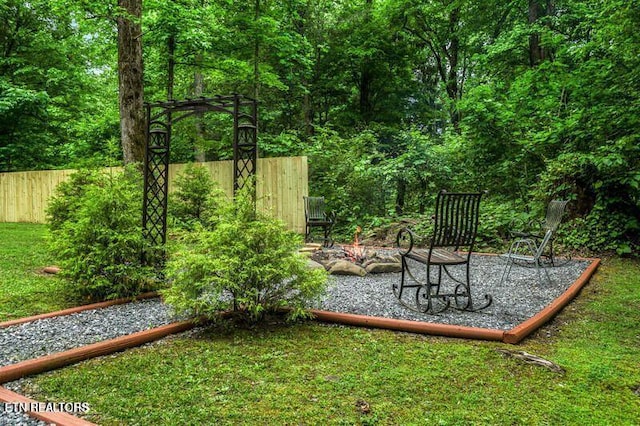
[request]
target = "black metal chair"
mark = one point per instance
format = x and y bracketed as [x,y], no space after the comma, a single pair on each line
[455,228]
[537,231]
[316,216]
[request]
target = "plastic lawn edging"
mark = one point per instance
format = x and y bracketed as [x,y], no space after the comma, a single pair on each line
[77,309]
[519,332]
[61,359]
[410,326]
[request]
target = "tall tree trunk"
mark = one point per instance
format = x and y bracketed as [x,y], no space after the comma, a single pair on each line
[452,84]
[538,9]
[198,90]
[256,56]
[366,81]
[401,192]
[130,81]
[307,111]
[171,48]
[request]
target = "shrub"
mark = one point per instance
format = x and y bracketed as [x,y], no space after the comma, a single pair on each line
[95,231]
[195,199]
[69,197]
[247,263]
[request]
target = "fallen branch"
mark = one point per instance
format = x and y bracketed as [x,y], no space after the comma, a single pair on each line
[532,359]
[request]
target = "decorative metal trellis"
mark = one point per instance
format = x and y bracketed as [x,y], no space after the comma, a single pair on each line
[160,118]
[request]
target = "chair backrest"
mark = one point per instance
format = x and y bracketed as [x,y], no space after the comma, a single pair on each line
[456,219]
[314,208]
[555,212]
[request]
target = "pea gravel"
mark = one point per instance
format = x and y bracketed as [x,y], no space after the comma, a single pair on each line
[57,334]
[514,301]
[18,419]
[51,335]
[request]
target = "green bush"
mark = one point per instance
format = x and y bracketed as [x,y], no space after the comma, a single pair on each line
[247,263]
[69,197]
[95,231]
[195,199]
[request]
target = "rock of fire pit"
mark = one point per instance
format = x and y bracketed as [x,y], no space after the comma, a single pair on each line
[310,247]
[382,259]
[381,268]
[344,267]
[312,264]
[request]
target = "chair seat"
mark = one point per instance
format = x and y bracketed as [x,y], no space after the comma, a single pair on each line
[313,222]
[520,257]
[438,257]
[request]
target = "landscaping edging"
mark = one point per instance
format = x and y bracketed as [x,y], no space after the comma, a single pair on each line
[72,356]
[516,334]
[409,326]
[77,309]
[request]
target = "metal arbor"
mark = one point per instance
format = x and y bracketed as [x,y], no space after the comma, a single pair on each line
[160,118]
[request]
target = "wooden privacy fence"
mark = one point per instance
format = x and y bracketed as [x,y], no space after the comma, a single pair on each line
[281,184]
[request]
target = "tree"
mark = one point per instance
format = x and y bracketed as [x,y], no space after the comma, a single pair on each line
[56,87]
[130,80]
[538,9]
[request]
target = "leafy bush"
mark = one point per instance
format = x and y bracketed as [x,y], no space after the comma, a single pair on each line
[247,263]
[69,197]
[604,195]
[195,199]
[95,231]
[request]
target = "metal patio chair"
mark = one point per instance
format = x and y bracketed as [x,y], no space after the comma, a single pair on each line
[316,216]
[455,228]
[538,230]
[527,252]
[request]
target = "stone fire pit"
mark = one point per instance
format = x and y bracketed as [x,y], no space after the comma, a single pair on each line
[355,259]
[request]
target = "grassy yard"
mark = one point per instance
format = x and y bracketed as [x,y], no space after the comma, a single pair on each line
[310,373]
[24,289]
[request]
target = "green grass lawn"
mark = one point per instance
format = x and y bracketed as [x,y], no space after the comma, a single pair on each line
[24,289]
[309,373]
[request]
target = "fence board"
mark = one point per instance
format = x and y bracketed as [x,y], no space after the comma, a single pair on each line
[281,184]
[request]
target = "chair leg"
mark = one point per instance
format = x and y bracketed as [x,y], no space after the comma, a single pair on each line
[507,270]
[546,272]
[402,278]
[398,289]
[326,236]
[467,286]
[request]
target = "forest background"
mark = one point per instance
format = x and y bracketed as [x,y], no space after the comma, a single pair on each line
[391,100]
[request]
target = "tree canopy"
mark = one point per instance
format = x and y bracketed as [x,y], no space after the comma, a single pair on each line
[532,100]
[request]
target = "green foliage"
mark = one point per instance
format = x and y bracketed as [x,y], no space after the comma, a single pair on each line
[96,234]
[21,111]
[406,167]
[499,217]
[391,100]
[57,97]
[247,262]
[69,197]
[196,198]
